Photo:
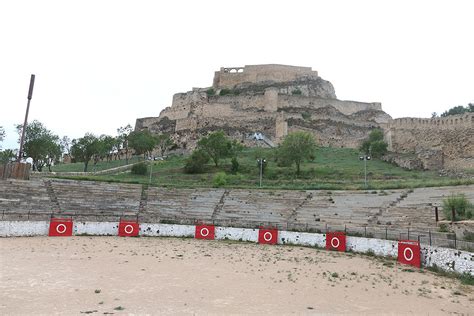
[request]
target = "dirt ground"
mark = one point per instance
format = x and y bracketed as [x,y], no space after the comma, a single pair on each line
[112,275]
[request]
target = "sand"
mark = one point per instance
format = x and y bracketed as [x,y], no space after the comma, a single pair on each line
[112,275]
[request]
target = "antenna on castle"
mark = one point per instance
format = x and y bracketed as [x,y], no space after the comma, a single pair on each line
[30,95]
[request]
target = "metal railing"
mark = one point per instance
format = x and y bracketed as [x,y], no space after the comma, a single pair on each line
[427,237]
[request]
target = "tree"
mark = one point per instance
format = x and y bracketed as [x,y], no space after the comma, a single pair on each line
[83,149]
[164,142]
[2,134]
[196,162]
[6,156]
[217,146]
[459,110]
[40,144]
[142,142]
[123,134]
[296,148]
[374,145]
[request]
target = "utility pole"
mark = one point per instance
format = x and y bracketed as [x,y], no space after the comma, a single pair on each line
[30,95]
[261,162]
[365,158]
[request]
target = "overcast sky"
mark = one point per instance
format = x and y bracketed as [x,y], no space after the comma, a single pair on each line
[102,64]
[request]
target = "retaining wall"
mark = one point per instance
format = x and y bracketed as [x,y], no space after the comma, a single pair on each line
[444,258]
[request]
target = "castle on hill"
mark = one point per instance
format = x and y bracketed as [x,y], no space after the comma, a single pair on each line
[273,100]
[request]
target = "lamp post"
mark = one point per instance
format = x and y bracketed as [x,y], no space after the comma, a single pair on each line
[365,158]
[260,163]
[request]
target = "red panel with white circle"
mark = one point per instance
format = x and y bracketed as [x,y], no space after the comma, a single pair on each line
[268,236]
[336,241]
[128,229]
[205,232]
[409,252]
[60,227]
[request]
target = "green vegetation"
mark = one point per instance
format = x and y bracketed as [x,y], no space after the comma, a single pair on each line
[332,169]
[211,92]
[101,165]
[459,110]
[139,168]
[296,92]
[218,146]
[6,156]
[196,163]
[306,116]
[465,278]
[374,145]
[464,209]
[225,91]
[40,144]
[296,148]
[142,142]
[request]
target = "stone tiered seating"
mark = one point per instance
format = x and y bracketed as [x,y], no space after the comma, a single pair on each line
[95,199]
[181,205]
[22,200]
[343,207]
[253,208]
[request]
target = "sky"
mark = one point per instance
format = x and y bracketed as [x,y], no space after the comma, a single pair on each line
[101,64]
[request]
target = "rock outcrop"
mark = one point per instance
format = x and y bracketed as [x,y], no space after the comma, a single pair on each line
[268,99]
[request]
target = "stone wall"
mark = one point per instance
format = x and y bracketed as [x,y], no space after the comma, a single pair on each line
[228,77]
[438,142]
[444,258]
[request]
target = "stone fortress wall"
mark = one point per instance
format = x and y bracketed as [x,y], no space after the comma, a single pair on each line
[438,143]
[228,77]
[277,99]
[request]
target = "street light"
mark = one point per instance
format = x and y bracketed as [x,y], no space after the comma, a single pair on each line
[260,163]
[365,158]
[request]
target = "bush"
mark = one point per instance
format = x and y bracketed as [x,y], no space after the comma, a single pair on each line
[210,92]
[374,144]
[196,162]
[235,165]
[296,92]
[139,168]
[306,116]
[463,208]
[220,179]
[226,92]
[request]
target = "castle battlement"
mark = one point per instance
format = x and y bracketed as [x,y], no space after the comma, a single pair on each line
[450,122]
[229,77]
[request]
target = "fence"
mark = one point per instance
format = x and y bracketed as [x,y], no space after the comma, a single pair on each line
[15,170]
[432,238]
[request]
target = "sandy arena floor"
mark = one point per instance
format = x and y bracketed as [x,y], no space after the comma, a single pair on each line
[111,275]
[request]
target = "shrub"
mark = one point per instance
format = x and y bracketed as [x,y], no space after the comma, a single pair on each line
[220,179]
[196,162]
[140,168]
[210,92]
[226,92]
[296,92]
[235,165]
[306,116]
[463,208]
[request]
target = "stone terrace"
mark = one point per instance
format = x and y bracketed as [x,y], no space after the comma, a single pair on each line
[100,201]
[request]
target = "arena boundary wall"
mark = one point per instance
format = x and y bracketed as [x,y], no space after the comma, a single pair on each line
[444,258]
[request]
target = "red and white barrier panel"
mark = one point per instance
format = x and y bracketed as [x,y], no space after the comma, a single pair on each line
[409,252]
[336,241]
[205,232]
[267,236]
[128,228]
[60,227]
